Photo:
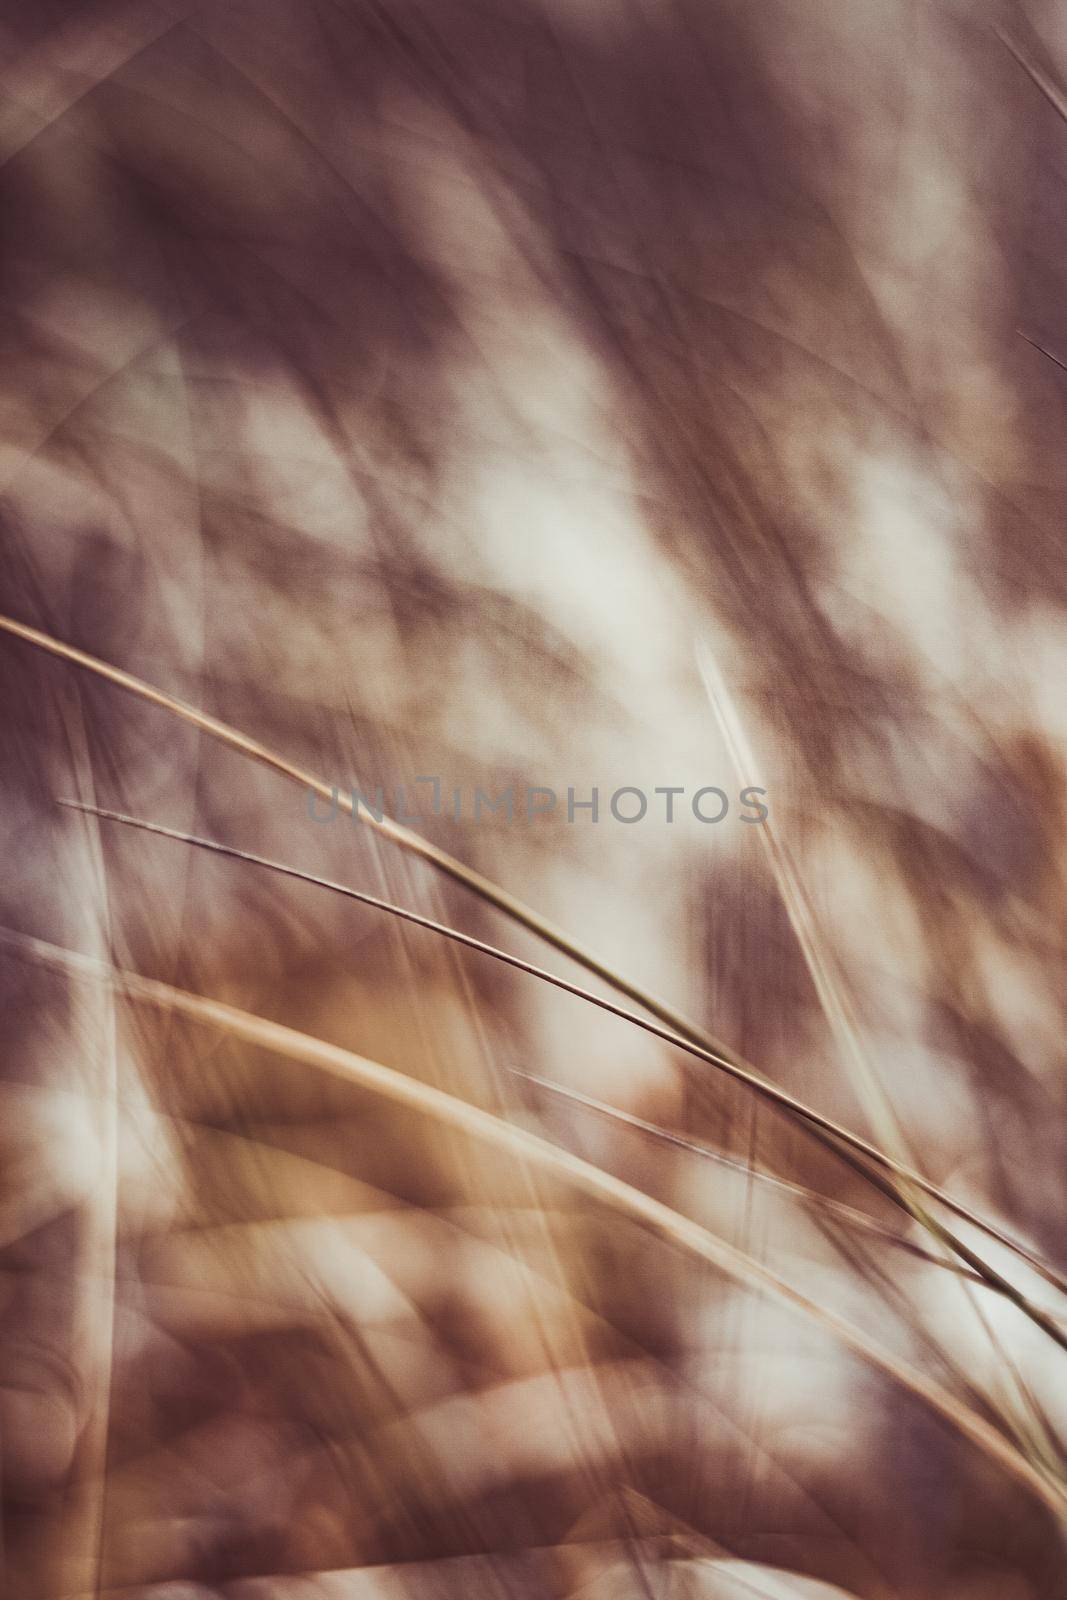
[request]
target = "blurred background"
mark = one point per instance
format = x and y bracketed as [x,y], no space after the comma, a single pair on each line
[563,393]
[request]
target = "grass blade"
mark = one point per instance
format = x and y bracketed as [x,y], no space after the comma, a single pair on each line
[658,1219]
[777,1097]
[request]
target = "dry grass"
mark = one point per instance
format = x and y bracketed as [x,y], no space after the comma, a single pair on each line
[538,1155]
[411,383]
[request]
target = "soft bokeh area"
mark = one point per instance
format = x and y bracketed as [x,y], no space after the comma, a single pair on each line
[534,398]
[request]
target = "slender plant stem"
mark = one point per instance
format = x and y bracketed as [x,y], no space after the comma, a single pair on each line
[658,1219]
[848,1147]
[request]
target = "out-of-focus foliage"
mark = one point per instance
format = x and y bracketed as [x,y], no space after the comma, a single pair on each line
[425,388]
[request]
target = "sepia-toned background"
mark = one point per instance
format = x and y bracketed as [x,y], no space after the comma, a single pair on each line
[535,393]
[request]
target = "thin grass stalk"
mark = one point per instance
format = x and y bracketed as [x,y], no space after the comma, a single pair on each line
[779,1098]
[658,1219]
